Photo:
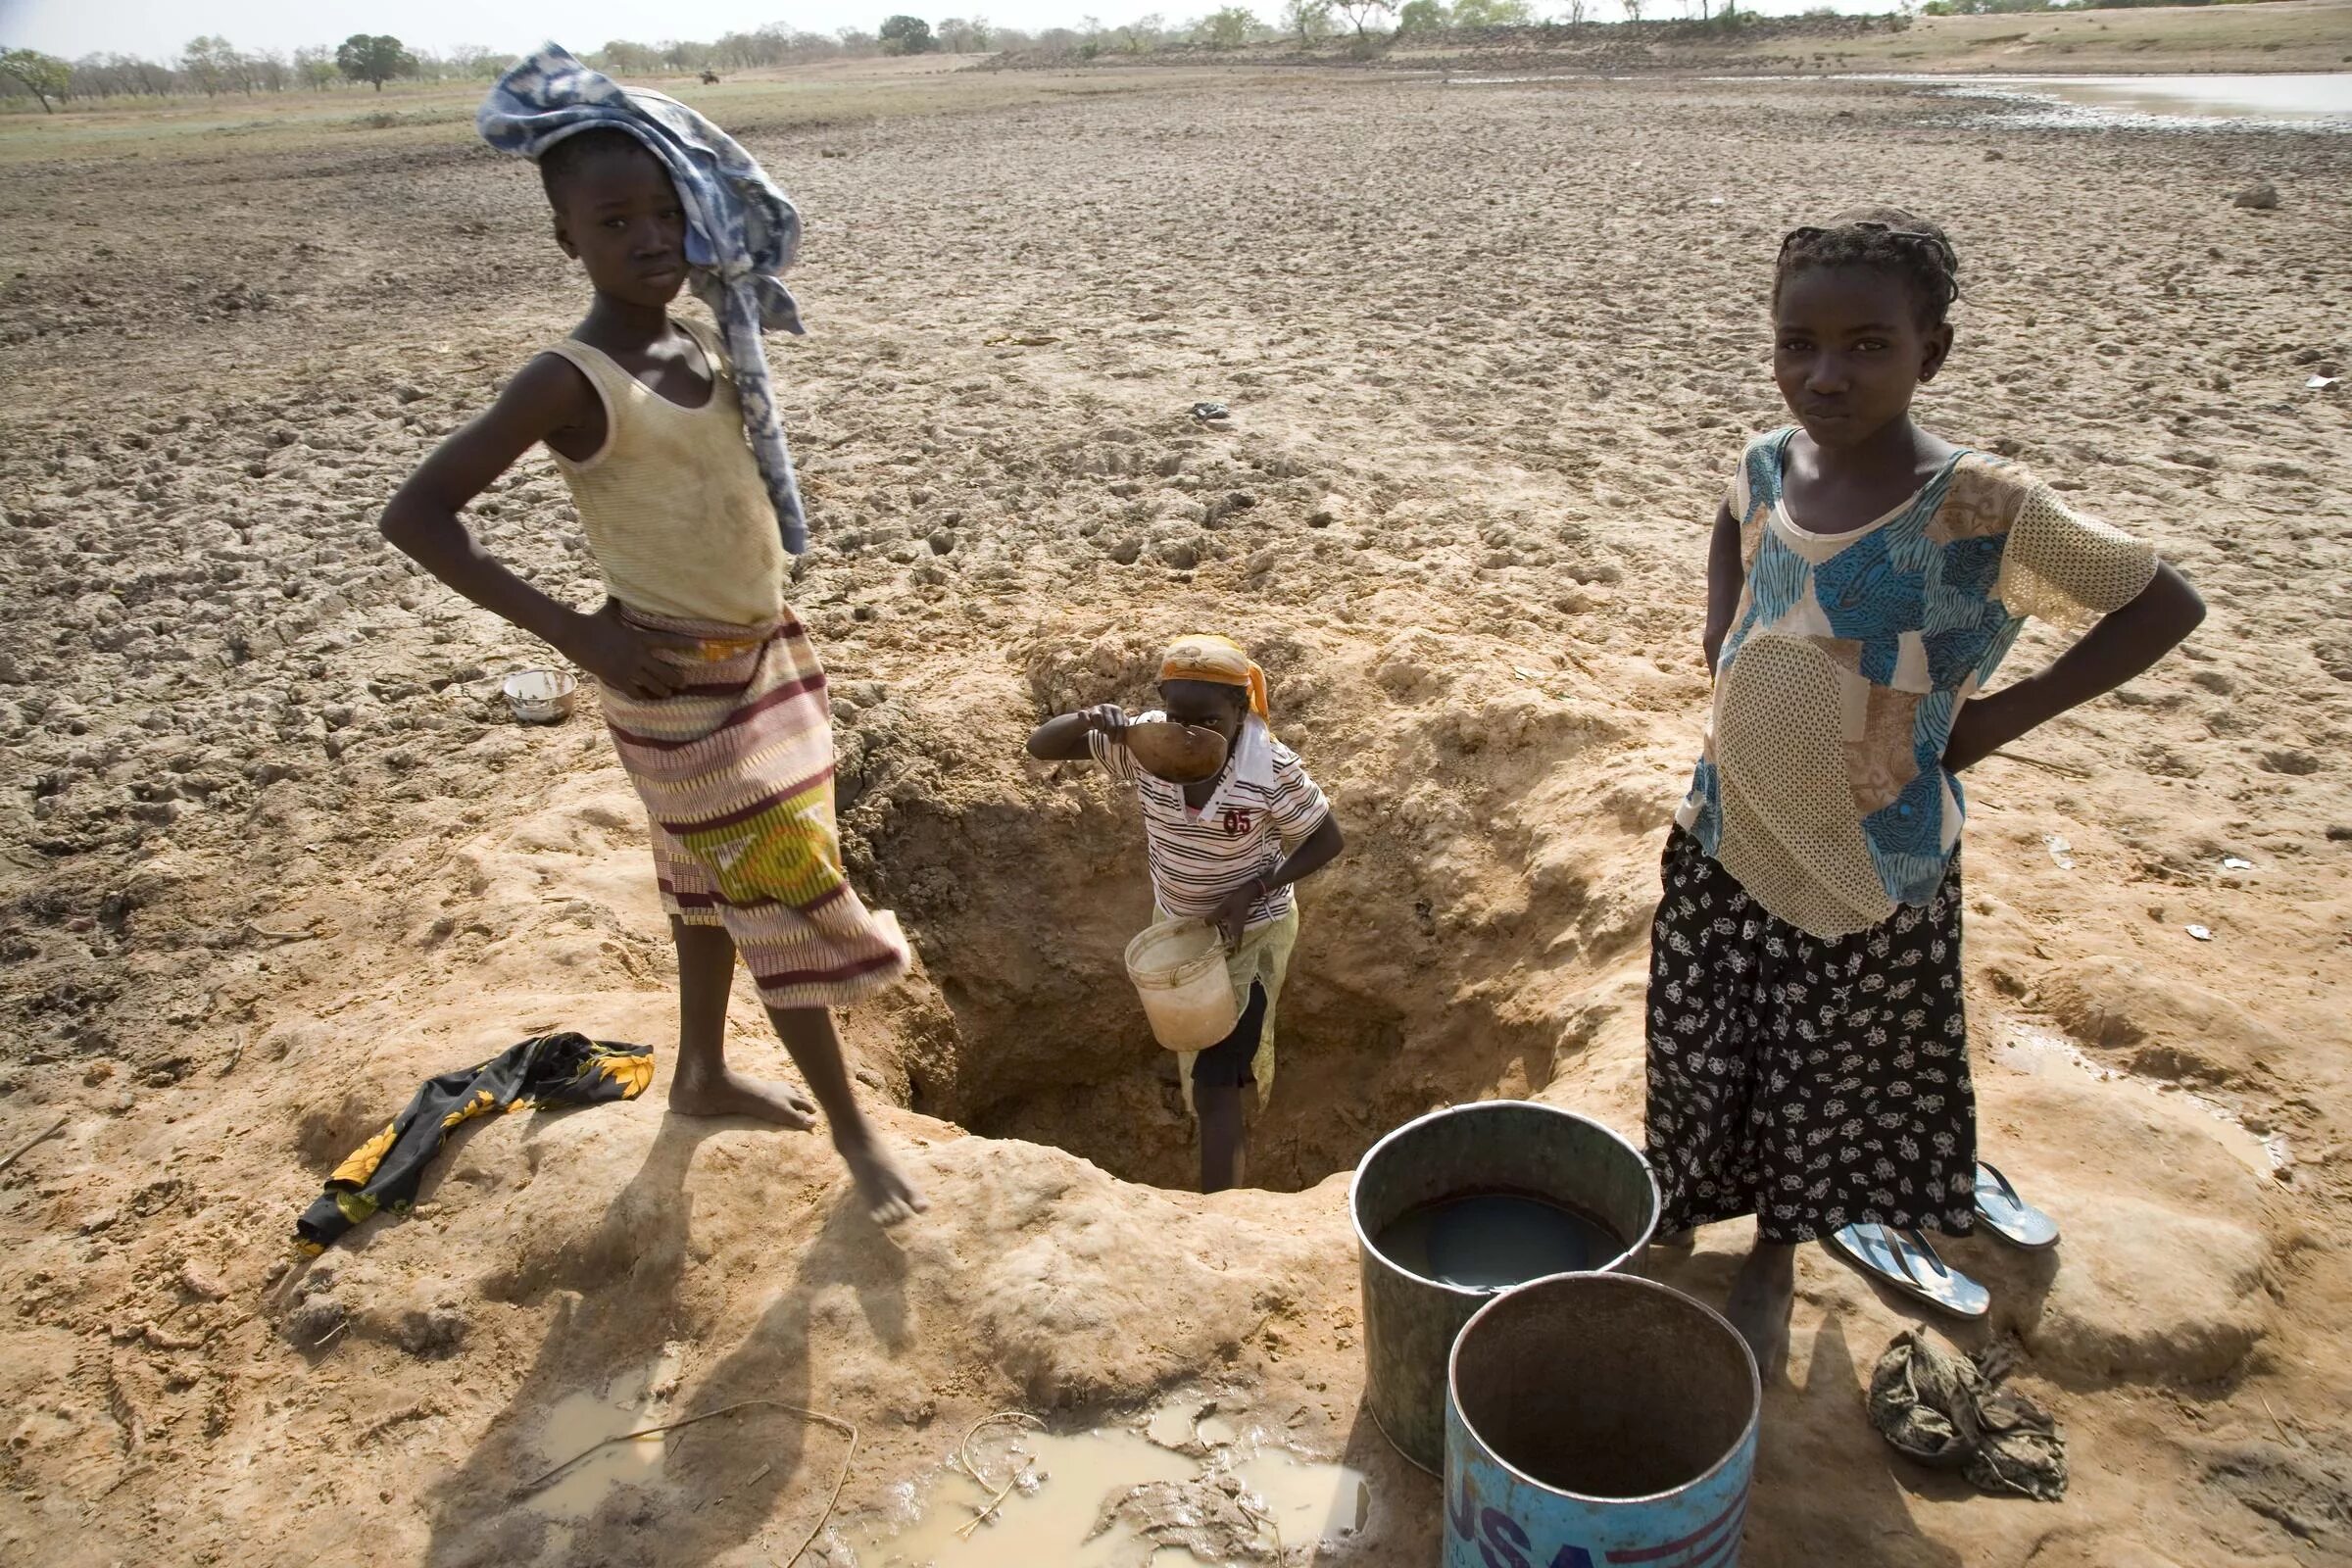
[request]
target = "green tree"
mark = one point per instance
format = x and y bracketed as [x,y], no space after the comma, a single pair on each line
[244,71]
[1229,28]
[1422,15]
[908,35]
[1307,21]
[374,58]
[1359,14]
[315,63]
[477,64]
[621,56]
[45,77]
[1493,14]
[958,36]
[210,63]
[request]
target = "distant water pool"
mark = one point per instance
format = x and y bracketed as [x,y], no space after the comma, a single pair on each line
[2325,95]
[2315,98]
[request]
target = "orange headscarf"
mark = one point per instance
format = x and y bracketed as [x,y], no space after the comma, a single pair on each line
[1203,656]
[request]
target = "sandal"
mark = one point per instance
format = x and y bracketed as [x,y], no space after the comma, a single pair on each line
[2009,1216]
[1904,1260]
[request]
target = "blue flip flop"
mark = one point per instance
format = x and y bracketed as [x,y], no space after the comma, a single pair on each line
[1904,1260]
[2009,1216]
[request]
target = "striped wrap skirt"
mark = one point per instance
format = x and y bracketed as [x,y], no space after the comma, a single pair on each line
[735,772]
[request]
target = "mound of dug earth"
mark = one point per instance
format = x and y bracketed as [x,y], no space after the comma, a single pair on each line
[647,1268]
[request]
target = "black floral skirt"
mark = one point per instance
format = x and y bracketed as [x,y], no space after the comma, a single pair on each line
[1813,1083]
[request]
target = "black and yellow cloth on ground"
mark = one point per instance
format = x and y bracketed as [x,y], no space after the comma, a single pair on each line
[384,1172]
[1952,1412]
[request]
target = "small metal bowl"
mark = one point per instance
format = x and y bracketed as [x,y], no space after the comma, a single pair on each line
[541,696]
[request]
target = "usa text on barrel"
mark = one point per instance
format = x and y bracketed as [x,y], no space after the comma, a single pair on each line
[1598,1421]
[1495,1146]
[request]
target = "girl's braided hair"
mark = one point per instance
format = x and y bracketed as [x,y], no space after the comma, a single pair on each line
[1885,238]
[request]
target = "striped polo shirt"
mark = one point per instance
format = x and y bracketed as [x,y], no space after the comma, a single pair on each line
[1263,806]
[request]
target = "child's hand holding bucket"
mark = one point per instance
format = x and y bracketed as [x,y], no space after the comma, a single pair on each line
[1233,915]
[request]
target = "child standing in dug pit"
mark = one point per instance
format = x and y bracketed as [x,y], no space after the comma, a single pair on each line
[1807,1045]
[1226,850]
[713,695]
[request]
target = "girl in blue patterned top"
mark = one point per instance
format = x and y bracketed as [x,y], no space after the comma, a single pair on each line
[1807,1055]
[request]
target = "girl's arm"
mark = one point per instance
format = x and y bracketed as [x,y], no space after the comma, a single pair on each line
[1725,576]
[1314,851]
[1063,739]
[2111,653]
[547,398]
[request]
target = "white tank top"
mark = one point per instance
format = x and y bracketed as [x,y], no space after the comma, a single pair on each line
[677,514]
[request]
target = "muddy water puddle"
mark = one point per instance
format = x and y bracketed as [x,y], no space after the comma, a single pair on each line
[1115,1497]
[581,1420]
[1311,1503]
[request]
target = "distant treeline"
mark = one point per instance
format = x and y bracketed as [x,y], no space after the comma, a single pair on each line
[213,67]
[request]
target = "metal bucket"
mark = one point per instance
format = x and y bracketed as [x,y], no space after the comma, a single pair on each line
[1507,1146]
[1595,1419]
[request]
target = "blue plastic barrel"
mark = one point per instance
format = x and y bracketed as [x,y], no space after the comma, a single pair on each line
[1598,1421]
[1493,1145]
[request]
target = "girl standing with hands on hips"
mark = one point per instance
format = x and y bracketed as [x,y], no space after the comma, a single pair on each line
[1807,1042]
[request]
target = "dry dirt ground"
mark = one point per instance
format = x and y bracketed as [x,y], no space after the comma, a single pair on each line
[273,853]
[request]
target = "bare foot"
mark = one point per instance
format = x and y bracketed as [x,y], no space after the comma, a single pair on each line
[730,1093]
[890,1198]
[1763,1294]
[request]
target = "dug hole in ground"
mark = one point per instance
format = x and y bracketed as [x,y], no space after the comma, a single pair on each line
[278,856]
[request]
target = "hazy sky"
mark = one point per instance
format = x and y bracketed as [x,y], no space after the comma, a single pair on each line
[157,28]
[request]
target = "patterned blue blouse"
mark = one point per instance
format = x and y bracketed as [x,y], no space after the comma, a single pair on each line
[1821,784]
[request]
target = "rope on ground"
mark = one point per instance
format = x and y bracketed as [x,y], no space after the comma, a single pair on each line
[971,1466]
[1264,1519]
[832,1500]
[37,1139]
[2062,769]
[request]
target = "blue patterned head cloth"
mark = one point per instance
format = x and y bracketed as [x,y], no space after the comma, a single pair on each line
[741,231]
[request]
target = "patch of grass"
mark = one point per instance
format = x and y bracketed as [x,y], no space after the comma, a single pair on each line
[394,118]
